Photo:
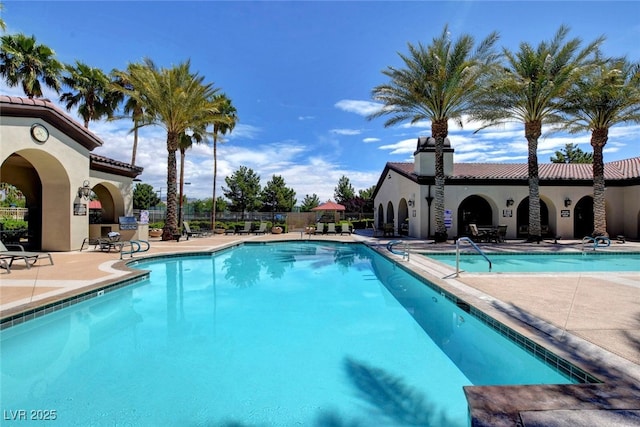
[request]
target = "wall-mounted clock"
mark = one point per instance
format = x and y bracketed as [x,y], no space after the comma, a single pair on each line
[39,133]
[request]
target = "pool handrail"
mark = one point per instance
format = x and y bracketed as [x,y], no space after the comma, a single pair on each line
[467,239]
[404,253]
[135,246]
[596,241]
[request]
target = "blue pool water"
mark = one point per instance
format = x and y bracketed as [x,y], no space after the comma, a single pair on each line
[543,262]
[261,335]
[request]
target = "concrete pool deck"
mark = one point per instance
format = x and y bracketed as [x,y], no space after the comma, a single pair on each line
[590,319]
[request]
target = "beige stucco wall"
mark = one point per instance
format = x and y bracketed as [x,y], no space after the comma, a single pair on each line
[622,206]
[62,166]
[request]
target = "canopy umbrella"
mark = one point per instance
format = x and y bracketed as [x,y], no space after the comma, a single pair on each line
[329,207]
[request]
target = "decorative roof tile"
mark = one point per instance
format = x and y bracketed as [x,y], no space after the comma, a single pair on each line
[617,170]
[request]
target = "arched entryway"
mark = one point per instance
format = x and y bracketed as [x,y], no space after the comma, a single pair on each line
[474,210]
[403,217]
[44,182]
[522,219]
[390,214]
[583,218]
[380,216]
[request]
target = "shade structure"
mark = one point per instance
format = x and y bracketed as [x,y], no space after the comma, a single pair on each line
[329,206]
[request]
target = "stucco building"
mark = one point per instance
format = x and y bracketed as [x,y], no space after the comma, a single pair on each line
[491,194]
[47,155]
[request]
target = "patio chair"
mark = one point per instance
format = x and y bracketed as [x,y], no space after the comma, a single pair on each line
[246,229]
[319,228]
[344,229]
[4,264]
[331,228]
[29,258]
[476,235]
[112,241]
[498,235]
[262,229]
[189,233]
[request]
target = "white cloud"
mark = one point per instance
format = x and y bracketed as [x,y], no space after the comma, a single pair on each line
[362,108]
[369,140]
[346,131]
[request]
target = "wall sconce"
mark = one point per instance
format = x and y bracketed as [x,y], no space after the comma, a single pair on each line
[410,203]
[510,201]
[85,191]
[389,176]
[567,202]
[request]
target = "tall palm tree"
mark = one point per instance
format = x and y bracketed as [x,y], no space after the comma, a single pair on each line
[608,96]
[24,62]
[437,83]
[529,90]
[185,141]
[179,101]
[224,122]
[91,92]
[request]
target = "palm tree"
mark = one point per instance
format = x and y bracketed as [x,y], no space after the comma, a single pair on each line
[529,90]
[178,100]
[3,25]
[225,122]
[597,101]
[185,141]
[23,62]
[437,83]
[91,92]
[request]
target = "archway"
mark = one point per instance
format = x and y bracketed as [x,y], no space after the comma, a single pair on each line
[474,210]
[390,214]
[403,217]
[583,218]
[44,182]
[380,216]
[522,218]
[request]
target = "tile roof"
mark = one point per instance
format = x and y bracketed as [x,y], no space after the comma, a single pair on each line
[617,170]
[46,110]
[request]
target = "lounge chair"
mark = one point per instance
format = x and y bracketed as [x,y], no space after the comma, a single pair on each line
[29,258]
[189,233]
[344,229]
[246,229]
[262,229]
[112,241]
[319,228]
[331,228]
[376,230]
[4,264]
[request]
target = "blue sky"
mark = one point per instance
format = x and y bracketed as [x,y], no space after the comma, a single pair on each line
[300,75]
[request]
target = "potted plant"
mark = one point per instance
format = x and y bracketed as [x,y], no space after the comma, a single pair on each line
[155,229]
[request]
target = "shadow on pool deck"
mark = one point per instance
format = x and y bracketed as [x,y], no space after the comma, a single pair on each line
[591,319]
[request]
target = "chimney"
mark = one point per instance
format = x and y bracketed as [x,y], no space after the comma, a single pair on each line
[425,157]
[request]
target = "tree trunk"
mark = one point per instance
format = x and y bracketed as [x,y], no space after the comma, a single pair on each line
[171,220]
[599,139]
[215,176]
[135,145]
[532,131]
[180,200]
[440,130]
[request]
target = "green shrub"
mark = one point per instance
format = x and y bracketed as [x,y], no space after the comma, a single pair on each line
[14,224]
[159,225]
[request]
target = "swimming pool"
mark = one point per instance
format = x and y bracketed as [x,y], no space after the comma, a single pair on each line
[543,262]
[270,334]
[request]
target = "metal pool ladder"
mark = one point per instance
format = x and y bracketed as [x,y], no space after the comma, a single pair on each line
[466,239]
